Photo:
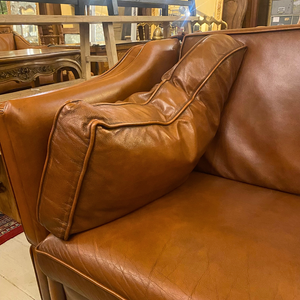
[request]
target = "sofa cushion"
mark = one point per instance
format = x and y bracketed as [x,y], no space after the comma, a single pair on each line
[7,42]
[107,160]
[258,140]
[212,238]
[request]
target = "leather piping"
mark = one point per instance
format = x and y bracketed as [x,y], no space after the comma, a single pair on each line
[96,123]
[81,274]
[56,117]
[46,164]
[154,122]
[162,82]
[81,178]
[260,29]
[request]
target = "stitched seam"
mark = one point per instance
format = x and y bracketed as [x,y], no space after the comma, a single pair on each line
[96,123]
[81,274]
[117,125]
[64,230]
[245,31]
[81,178]
[55,124]
[46,165]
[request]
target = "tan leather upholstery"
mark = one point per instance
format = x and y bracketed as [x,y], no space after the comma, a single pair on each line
[211,238]
[258,140]
[7,42]
[185,108]
[139,70]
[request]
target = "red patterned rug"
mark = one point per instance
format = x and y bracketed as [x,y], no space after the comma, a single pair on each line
[9,228]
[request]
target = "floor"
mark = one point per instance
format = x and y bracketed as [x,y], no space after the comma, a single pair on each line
[17,279]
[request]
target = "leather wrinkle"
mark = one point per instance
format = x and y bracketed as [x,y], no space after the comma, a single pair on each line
[81,274]
[74,101]
[71,203]
[31,118]
[155,122]
[49,150]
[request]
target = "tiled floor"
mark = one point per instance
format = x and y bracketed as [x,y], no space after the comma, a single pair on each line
[17,279]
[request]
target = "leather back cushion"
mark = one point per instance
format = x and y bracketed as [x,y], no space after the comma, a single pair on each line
[258,141]
[7,42]
[107,160]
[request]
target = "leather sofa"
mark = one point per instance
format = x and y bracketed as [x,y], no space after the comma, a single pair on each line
[180,188]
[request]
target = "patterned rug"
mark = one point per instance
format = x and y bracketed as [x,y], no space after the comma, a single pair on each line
[9,228]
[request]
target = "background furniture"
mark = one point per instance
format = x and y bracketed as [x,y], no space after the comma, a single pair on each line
[234,12]
[14,49]
[284,12]
[28,65]
[231,229]
[112,5]
[107,22]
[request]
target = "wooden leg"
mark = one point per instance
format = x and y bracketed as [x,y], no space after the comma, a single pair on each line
[85,50]
[37,82]
[57,76]
[110,42]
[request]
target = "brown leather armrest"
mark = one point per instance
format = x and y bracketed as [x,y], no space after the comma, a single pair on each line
[107,160]
[21,43]
[25,124]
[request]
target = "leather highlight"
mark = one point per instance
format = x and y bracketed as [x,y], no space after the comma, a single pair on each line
[171,128]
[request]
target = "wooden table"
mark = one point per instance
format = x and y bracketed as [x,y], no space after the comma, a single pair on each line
[107,22]
[28,64]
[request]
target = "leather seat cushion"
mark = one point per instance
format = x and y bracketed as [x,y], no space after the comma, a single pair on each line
[211,238]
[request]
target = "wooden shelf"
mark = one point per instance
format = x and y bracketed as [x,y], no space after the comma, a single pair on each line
[53,19]
[107,22]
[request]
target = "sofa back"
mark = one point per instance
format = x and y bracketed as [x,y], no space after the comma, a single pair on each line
[258,141]
[7,42]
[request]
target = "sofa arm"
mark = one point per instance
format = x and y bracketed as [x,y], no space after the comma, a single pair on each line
[21,43]
[26,123]
[107,160]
